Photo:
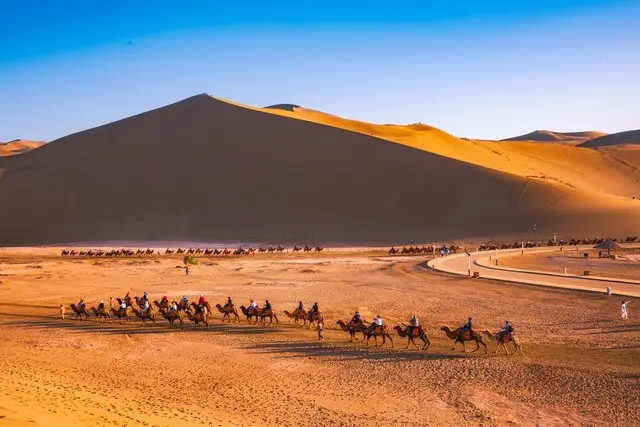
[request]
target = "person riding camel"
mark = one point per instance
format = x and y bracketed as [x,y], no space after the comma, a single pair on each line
[145,307]
[252,306]
[507,329]
[101,305]
[184,300]
[123,305]
[300,306]
[356,319]
[467,327]
[377,322]
[145,297]
[314,309]
[229,303]
[174,307]
[80,304]
[267,306]
[201,301]
[164,300]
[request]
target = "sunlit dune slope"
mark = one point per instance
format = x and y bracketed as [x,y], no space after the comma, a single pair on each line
[587,170]
[206,170]
[18,146]
[630,137]
[569,138]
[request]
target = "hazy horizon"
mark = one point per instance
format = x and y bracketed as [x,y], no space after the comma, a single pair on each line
[478,71]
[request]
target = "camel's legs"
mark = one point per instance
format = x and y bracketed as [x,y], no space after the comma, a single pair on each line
[477,347]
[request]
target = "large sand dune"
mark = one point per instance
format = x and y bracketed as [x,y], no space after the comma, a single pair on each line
[630,137]
[203,169]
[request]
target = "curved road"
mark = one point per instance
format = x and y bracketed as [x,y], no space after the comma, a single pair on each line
[459,264]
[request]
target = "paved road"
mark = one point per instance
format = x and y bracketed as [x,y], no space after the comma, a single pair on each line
[458,264]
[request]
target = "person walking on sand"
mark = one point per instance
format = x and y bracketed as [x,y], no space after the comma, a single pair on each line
[62,311]
[319,329]
[623,310]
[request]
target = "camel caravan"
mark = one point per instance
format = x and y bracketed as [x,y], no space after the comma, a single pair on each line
[177,313]
[113,253]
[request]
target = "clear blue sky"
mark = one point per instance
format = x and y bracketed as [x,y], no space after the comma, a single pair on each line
[483,69]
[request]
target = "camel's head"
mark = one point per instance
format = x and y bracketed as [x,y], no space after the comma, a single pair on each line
[397,328]
[444,328]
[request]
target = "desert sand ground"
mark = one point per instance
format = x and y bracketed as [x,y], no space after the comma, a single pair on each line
[580,364]
[626,266]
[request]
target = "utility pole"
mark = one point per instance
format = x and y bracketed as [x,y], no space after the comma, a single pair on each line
[469,263]
[535,242]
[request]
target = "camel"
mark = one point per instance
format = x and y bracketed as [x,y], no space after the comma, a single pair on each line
[197,317]
[503,339]
[393,251]
[101,312]
[261,250]
[122,313]
[217,252]
[127,300]
[208,251]
[227,311]
[280,249]
[307,248]
[172,316]
[319,249]
[352,329]
[468,336]
[271,249]
[198,251]
[168,252]
[240,251]
[149,252]
[179,251]
[377,331]
[250,313]
[80,311]
[271,314]
[149,314]
[296,248]
[183,304]
[298,315]
[161,305]
[415,333]
[65,252]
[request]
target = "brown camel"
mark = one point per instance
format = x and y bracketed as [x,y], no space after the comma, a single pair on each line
[377,331]
[149,314]
[122,313]
[197,317]
[298,315]
[271,314]
[80,311]
[162,304]
[503,338]
[227,312]
[412,334]
[172,316]
[468,336]
[352,329]
[101,312]
[250,313]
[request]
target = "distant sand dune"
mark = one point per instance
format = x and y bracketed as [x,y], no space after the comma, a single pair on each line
[571,138]
[630,137]
[207,170]
[18,146]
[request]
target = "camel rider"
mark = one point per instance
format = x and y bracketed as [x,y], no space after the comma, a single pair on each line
[81,304]
[355,320]
[267,306]
[252,306]
[184,300]
[467,327]
[201,301]
[145,297]
[507,328]
[144,308]
[413,322]
[164,301]
[101,305]
[123,305]
[229,303]
[378,321]
[314,309]
[300,306]
[174,307]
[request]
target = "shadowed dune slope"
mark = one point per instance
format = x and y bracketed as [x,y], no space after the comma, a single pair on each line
[630,137]
[206,170]
[18,146]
